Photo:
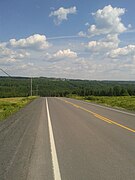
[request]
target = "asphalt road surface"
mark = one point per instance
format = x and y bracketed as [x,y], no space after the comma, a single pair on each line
[66,139]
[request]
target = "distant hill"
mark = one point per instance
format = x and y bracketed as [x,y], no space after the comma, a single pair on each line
[43,86]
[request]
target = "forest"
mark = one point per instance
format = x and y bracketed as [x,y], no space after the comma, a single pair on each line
[43,86]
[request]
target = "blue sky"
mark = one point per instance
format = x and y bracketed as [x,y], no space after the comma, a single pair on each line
[68,38]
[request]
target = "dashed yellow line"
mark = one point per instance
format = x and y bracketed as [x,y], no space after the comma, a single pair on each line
[100,117]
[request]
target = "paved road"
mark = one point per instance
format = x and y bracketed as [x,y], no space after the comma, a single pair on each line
[66,139]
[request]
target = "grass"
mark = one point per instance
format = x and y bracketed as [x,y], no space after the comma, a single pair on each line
[124,102]
[9,106]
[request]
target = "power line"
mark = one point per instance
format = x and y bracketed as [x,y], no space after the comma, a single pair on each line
[5,72]
[31,83]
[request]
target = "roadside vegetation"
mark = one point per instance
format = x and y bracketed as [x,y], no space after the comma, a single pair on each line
[124,102]
[111,93]
[9,106]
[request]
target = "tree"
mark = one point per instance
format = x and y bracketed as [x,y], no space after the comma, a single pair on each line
[117,91]
[110,93]
[124,92]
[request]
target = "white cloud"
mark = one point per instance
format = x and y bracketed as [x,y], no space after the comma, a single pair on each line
[96,46]
[108,43]
[11,54]
[11,57]
[67,53]
[62,14]
[60,55]
[107,21]
[129,26]
[26,66]
[35,42]
[82,34]
[4,52]
[100,58]
[87,24]
[124,51]
[115,59]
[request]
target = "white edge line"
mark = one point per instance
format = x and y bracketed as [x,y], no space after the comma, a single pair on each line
[104,107]
[56,169]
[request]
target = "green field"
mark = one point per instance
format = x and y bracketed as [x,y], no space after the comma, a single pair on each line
[124,102]
[10,105]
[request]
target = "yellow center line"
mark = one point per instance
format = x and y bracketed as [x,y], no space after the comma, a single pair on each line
[100,117]
[103,118]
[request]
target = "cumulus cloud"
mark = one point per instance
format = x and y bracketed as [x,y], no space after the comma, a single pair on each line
[128,50]
[34,42]
[107,21]
[11,54]
[62,14]
[59,56]
[108,26]
[108,43]
[82,34]
[67,53]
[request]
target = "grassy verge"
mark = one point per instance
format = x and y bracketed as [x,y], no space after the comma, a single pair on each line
[10,105]
[125,102]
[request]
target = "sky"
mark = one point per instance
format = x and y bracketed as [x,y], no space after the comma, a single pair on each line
[73,39]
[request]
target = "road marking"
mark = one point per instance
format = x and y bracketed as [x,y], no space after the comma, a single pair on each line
[56,169]
[100,117]
[103,118]
[111,109]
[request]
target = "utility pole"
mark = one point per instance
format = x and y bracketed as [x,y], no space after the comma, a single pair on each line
[31,87]
[37,91]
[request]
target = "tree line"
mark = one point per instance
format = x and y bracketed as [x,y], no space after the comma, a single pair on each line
[42,86]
